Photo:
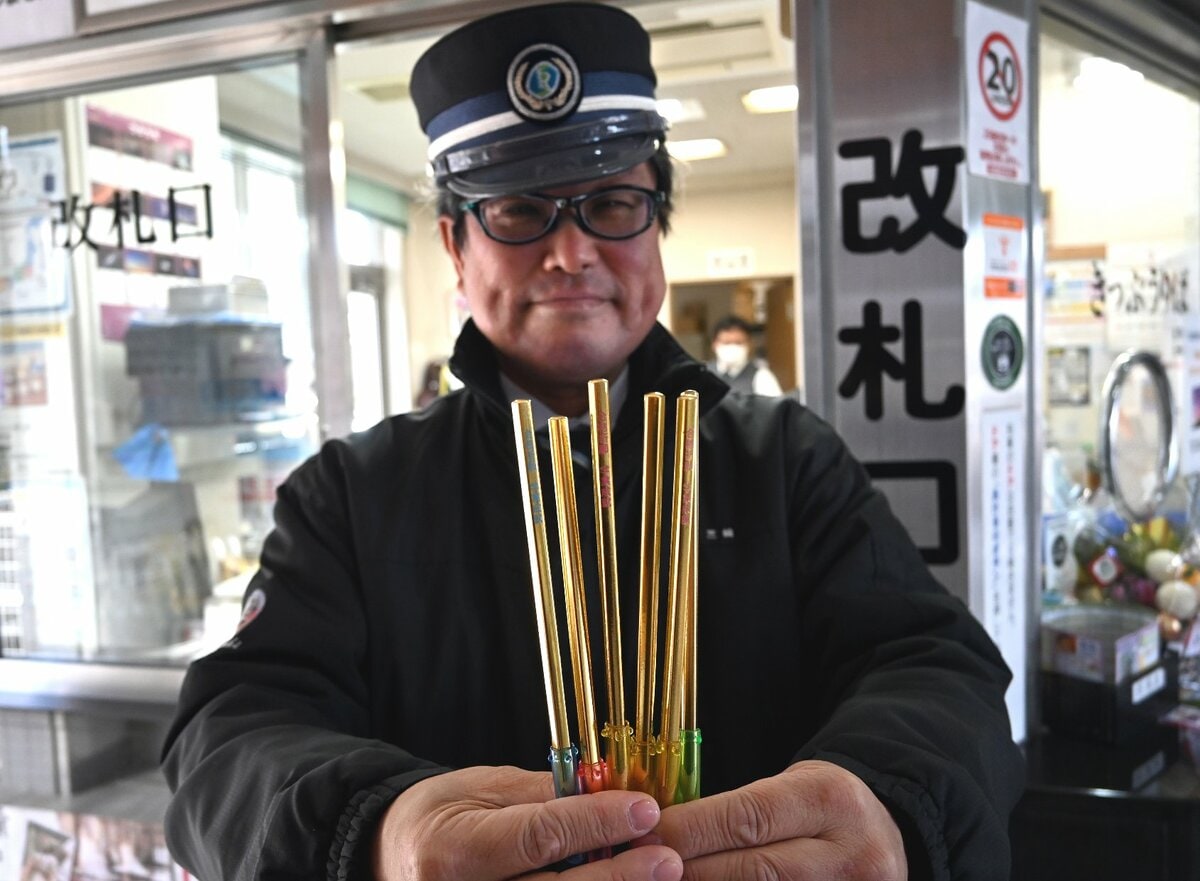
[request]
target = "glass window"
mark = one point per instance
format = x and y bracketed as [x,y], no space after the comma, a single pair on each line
[1120,170]
[157,363]
[372,242]
[362,307]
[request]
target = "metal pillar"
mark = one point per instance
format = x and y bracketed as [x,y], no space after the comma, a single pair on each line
[917,175]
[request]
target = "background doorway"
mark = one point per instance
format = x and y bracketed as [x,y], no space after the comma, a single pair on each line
[767,304]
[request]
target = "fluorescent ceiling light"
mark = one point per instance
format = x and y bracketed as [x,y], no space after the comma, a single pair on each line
[675,110]
[696,149]
[1101,74]
[722,9]
[774,99]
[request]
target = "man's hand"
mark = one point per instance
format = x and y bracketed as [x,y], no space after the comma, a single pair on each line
[488,824]
[814,821]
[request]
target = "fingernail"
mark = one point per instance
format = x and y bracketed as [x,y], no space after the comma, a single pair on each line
[643,815]
[667,870]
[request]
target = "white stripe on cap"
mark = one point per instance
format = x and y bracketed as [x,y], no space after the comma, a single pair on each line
[500,121]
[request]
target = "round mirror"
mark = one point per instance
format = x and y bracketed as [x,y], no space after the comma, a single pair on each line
[1138,456]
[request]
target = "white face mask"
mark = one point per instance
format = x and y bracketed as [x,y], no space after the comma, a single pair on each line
[731,356]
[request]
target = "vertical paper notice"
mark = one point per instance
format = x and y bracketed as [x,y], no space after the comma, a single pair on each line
[1004,515]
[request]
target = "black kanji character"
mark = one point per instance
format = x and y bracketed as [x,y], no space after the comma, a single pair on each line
[120,215]
[69,214]
[173,212]
[945,477]
[907,181]
[873,360]
[144,238]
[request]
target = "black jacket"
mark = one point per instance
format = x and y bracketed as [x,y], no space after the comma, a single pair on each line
[397,635]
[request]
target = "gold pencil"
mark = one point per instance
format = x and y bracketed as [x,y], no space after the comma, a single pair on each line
[688,786]
[562,754]
[539,569]
[616,729]
[691,595]
[682,538]
[651,548]
[573,590]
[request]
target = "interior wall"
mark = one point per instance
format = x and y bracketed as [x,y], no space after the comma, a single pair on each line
[431,290]
[761,218]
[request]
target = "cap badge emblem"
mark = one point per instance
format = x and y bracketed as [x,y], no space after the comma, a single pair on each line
[544,83]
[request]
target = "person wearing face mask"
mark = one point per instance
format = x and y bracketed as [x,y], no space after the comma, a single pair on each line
[731,346]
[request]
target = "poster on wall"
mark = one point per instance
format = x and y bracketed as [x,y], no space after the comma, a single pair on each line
[148,210]
[1004,257]
[33,273]
[997,82]
[134,137]
[62,846]
[37,404]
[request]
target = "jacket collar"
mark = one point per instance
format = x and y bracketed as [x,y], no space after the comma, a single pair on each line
[659,364]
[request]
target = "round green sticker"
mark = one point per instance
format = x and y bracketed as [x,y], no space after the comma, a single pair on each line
[1002,352]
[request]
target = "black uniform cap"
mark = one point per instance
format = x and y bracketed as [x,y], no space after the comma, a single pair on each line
[538,97]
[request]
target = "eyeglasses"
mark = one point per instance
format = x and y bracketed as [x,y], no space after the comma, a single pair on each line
[612,213]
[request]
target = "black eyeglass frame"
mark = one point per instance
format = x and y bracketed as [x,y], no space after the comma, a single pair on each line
[654,198]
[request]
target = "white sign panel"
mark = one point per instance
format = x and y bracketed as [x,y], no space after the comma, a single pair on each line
[997,83]
[45,531]
[730,262]
[1004,563]
[101,7]
[1184,369]
[25,22]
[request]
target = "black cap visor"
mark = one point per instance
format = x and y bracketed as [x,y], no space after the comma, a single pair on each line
[561,156]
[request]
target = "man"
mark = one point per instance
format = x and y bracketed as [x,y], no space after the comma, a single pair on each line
[388,659]
[731,351]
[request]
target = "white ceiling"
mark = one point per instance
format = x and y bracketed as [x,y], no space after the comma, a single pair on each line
[713,52]
[709,51]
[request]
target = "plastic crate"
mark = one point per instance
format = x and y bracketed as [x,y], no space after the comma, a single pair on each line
[205,372]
